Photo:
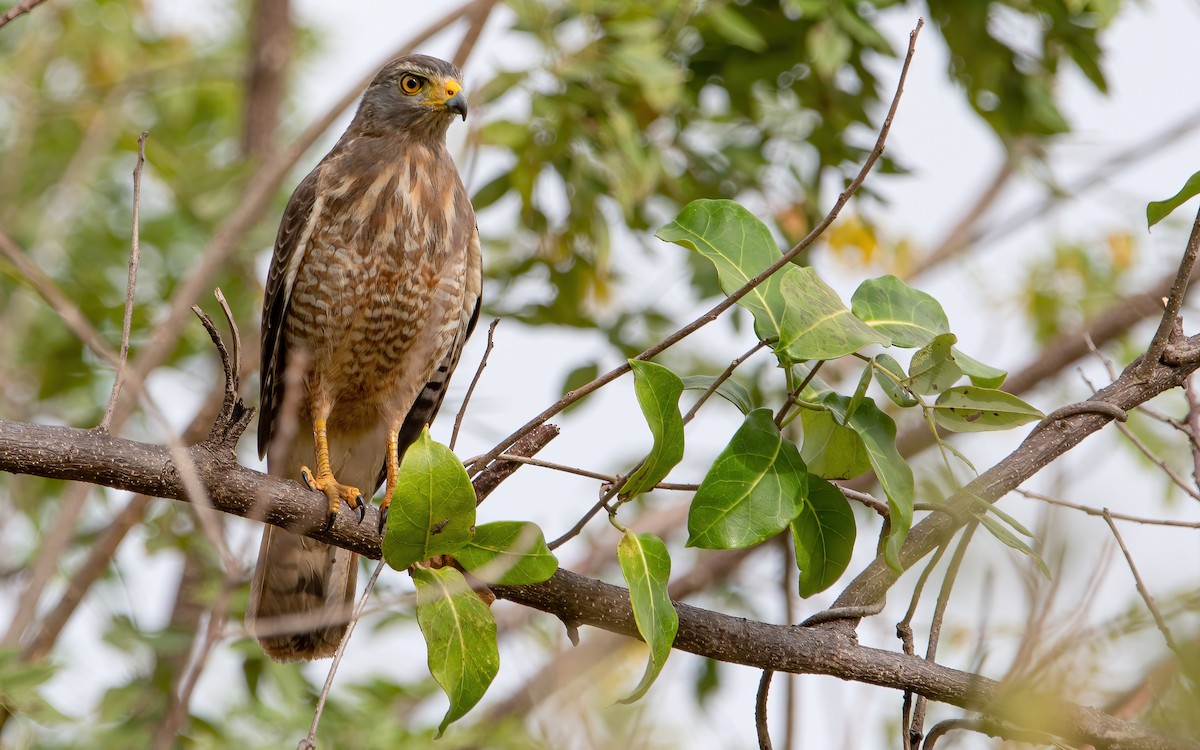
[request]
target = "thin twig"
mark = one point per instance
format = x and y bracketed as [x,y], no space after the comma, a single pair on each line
[760,710]
[1174,302]
[1141,587]
[905,633]
[991,729]
[1100,513]
[607,478]
[721,379]
[917,727]
[19,9]
[742,291]
[458,418]
[135,256]
[1193,421]
[1143,448]
[878,506]
[311,740]
[795,393]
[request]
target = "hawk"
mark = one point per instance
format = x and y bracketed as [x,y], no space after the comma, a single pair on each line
[373,289]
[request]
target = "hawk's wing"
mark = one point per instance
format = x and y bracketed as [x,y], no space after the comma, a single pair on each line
[285,260]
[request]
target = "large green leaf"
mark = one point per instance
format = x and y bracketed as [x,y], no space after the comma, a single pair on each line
[460,634]
[658,390]
[753,490]
[508,553]
[433,507]
[832,450]
[646,567]
[933,369]
[816,324]
[741,247]
[823,536]
[1156,211]
[971,409]
[878,434]
[907,316]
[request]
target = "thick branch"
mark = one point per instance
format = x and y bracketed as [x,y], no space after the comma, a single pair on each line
[789,648]
[91,456]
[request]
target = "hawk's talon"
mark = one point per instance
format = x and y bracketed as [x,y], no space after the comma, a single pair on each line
[383,514]
[336,492]
[307,476]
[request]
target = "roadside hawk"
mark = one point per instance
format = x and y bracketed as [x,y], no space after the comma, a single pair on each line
[373,288]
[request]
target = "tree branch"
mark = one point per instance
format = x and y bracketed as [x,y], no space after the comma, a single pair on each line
[87,455]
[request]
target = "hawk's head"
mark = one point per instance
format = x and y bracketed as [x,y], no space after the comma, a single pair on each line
[415,94]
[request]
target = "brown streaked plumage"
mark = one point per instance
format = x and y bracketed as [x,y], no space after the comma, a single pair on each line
[374,284]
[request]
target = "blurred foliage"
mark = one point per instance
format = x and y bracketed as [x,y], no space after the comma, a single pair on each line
[633,110]
[625,112]
[1076,282]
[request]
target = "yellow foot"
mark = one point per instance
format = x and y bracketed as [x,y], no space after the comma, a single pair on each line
[336,492]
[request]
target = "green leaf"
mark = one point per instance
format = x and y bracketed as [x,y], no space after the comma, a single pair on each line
[907,316]
[753,490]
[823,536]
[658,390]
[460,633]
[1156,211]
[1002,533]
[433,508]
[933,369]
[971,409]
[730,390]
[741,247]
[832,450]
[646,567]
[508,553]
[891,379]
[797,310]
[982,375]
[816,325]
[878,434]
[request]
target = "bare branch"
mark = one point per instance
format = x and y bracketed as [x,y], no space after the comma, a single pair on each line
[1101,513]
[462,410]
[135,256]
[19,9]
[311,739]
[760,710]
[1141,588]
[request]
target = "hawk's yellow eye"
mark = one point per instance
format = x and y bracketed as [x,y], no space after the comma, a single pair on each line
[410,84]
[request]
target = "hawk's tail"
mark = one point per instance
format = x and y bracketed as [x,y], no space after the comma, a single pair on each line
[302,592]
[301,596]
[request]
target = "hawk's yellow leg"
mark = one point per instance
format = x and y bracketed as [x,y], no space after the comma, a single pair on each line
[392,463]
[323,481]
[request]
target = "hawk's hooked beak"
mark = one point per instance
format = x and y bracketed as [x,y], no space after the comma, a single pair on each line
[456,100]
